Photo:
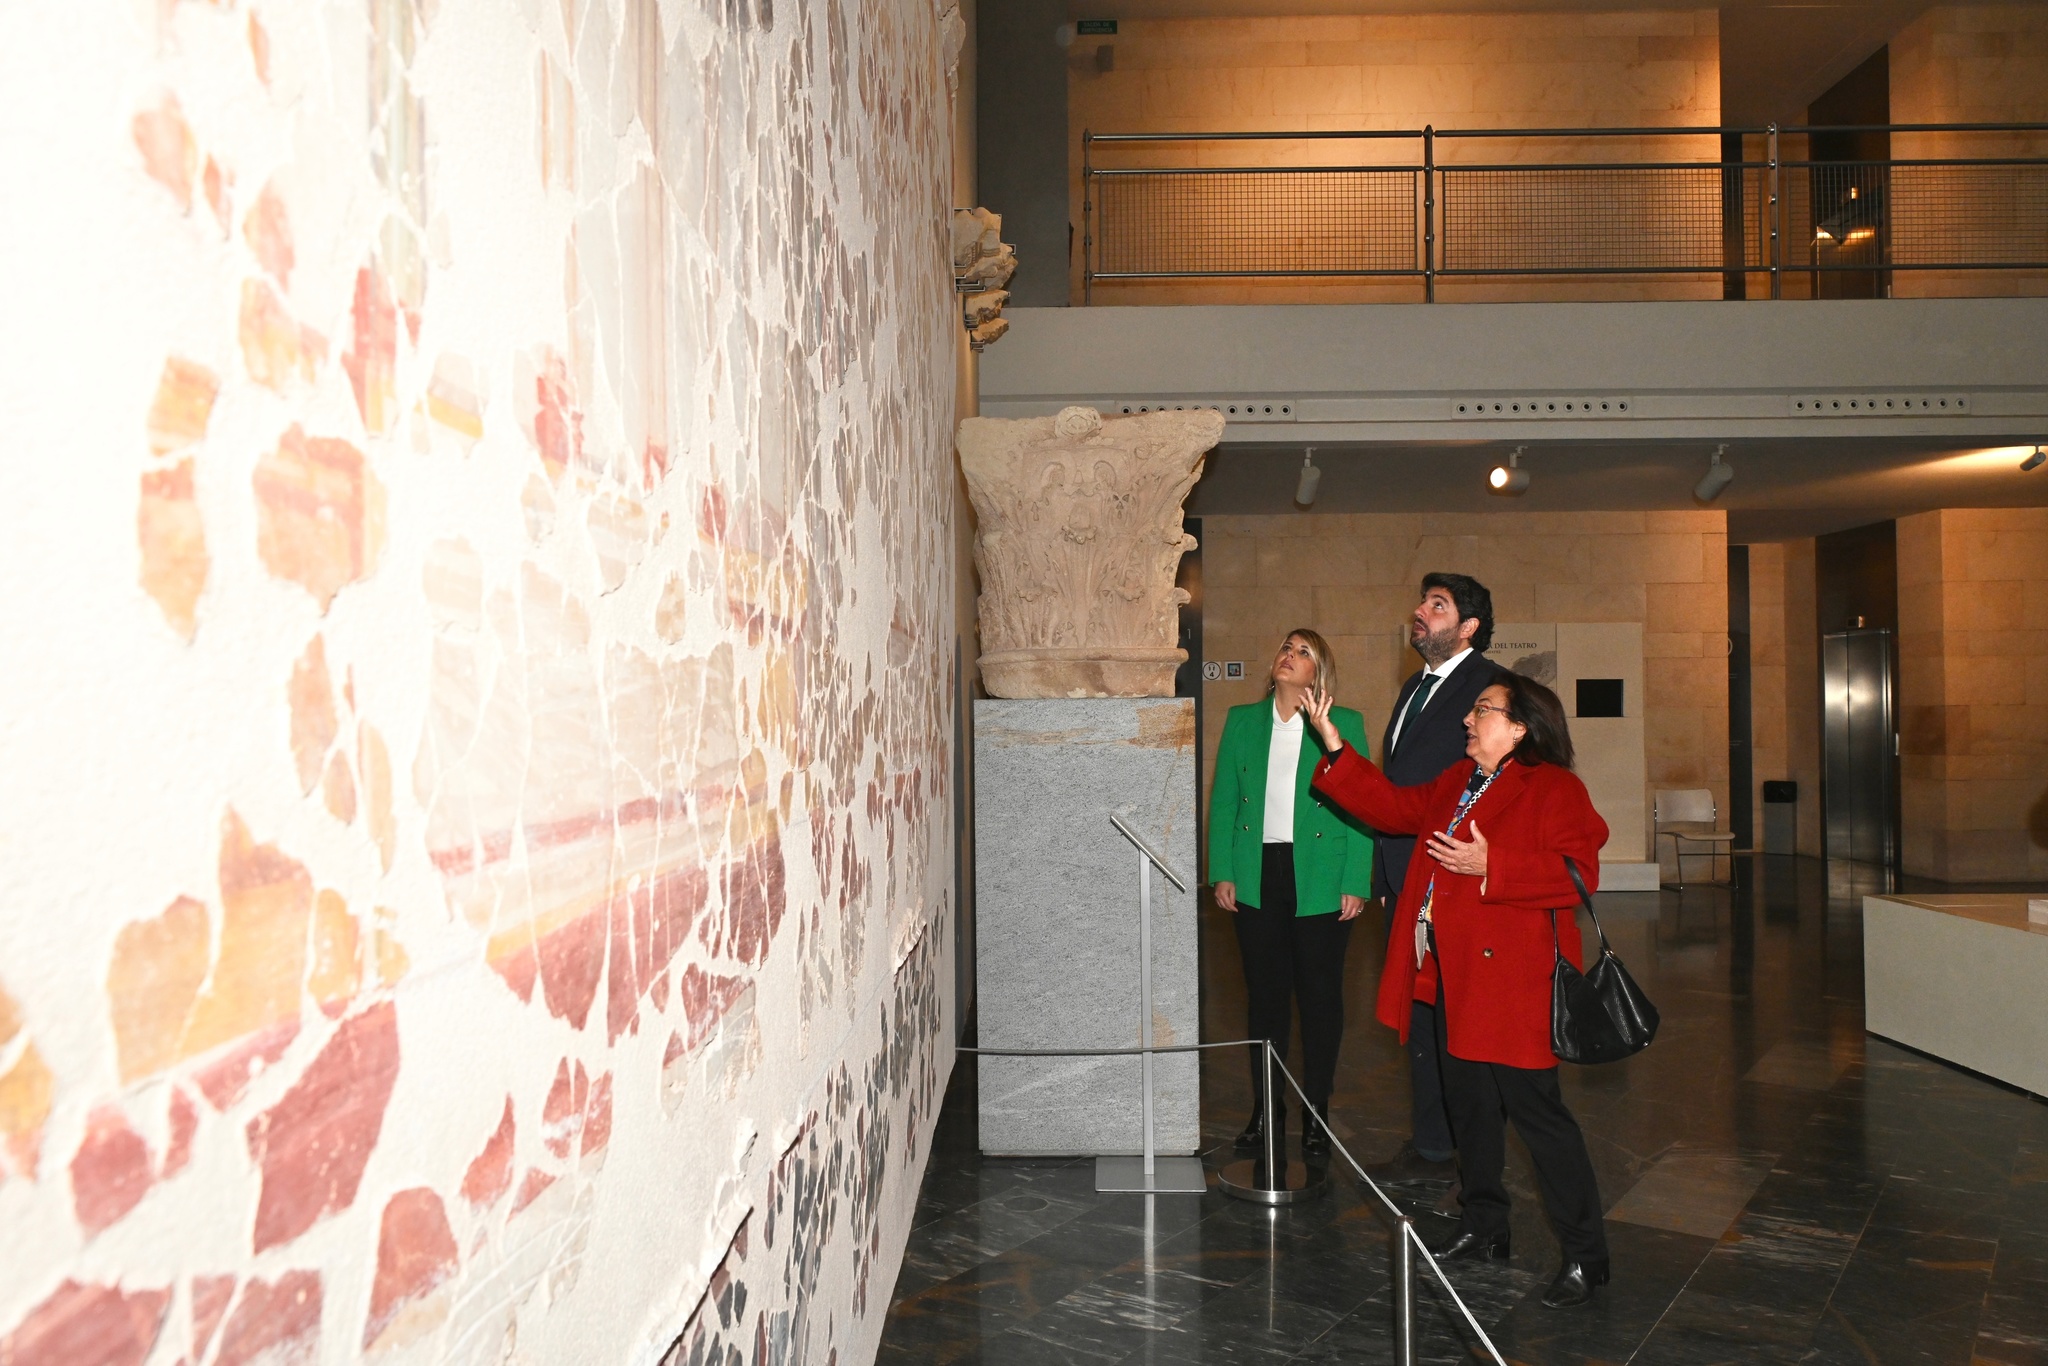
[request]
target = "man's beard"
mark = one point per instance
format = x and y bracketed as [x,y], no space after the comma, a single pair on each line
[1437,648]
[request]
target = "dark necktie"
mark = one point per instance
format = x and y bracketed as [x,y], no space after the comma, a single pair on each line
[1415,706]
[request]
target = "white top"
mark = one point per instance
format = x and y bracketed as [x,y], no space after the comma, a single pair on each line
[1282,759]
[1442,671]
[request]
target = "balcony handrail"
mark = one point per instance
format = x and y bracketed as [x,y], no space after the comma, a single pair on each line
[1438,217]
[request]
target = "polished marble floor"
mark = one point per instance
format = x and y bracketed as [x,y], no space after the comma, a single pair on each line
[1780,1187]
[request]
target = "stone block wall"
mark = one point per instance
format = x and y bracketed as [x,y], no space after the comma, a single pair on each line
[478,719]
[1356,579]
[1646,69]
[1963,64]
[1973,665]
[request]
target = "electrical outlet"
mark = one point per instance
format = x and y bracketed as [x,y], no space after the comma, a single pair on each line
[1574,408]
[1878,405]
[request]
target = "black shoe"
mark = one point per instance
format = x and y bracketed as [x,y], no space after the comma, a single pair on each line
[1253,1139]
[1408,1166]
[1315,1133]
[1574,1284]
[1467,1246]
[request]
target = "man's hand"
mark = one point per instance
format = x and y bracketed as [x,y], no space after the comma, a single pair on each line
[1226,896]
[1349,906]
[1460,856]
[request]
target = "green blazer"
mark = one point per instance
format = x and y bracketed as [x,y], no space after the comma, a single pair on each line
[1332,851]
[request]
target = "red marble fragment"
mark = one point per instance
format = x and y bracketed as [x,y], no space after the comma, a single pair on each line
[314,1143]
[372,357]
[210,1296]
[184,1123]
[597,1116]
[111,1171]
[705,998]
[169,153]
[416,1252]
[754,900]
[490,1175]
[530,1188]
[548,412]
[275,1323]
[571,961]
[268,230]
[518,968]
[223,1077]
[87,1325]
[562,1116]
[628,917]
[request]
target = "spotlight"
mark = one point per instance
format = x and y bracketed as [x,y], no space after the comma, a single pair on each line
[1715,479]
[2034,461]
[1311,479]
[1510,479]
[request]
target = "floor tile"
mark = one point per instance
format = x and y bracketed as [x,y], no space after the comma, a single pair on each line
[1693,1190]
[1781,1188]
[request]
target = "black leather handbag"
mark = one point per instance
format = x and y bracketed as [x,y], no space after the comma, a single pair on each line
[1600,1015]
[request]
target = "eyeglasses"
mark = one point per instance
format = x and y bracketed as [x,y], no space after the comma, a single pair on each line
[1482,708]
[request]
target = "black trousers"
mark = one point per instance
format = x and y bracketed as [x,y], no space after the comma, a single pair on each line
[1482,1097]
[1429,1118]
[1290,958]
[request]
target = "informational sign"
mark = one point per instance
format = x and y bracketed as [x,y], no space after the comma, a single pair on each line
[1212,669]
[1233,668]
[1096,28]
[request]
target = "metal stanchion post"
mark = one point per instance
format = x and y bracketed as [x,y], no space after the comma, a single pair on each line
[1404,1291]
[1270,1179]
[1276,1146]
[1148,1173]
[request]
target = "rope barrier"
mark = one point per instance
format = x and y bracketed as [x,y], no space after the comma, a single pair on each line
[1404,1227]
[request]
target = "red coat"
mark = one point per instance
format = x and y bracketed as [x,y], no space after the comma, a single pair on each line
[1494,948]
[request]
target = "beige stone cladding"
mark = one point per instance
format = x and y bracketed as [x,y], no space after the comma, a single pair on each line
[1647,69]
[1966,64]
[1973,683]
[1355,578]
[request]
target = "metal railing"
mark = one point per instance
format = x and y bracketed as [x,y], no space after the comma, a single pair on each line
[1432,205]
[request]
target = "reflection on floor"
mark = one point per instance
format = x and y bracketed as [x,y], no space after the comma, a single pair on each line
[1780,1187]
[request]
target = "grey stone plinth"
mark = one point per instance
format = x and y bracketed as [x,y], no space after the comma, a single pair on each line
[1056,909]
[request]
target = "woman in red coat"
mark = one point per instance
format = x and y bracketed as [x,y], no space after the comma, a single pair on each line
[1481,921]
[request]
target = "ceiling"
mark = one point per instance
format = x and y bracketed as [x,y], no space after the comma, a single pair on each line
[1776,57]
[1783,488]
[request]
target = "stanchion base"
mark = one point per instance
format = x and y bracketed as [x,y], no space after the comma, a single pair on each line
[1247,1181]
[1179,1175]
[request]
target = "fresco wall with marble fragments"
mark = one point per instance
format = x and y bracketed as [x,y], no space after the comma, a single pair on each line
[477,715]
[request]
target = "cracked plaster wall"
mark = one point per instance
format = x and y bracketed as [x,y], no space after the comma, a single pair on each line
[479,546]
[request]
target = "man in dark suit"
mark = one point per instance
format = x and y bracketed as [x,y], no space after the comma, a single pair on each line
[1451,628]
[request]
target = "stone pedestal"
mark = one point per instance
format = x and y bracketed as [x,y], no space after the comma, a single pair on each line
[1056,906]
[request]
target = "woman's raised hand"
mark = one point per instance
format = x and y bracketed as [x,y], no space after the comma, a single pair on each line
[1319,716]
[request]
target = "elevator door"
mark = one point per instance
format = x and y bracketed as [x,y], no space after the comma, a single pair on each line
[1859,747]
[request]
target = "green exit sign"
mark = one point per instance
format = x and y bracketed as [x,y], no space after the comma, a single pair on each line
[1096,28]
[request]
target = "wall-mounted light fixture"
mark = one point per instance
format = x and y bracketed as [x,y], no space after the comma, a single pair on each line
[1311,479]
[1716,478]
[2034,461]
[1510,479]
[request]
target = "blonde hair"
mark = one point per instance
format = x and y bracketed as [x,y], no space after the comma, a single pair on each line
[1319,651]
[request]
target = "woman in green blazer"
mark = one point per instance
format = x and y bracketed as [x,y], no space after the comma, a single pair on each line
[1295,870]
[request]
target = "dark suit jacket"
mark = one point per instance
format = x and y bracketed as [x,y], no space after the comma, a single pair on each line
[1433,744]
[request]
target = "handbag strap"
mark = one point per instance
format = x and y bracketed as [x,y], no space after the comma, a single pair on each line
[1586,900]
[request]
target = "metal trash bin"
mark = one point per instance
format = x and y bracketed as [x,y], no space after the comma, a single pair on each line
[1781,817]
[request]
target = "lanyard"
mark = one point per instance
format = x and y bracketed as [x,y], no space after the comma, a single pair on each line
[1423,917]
